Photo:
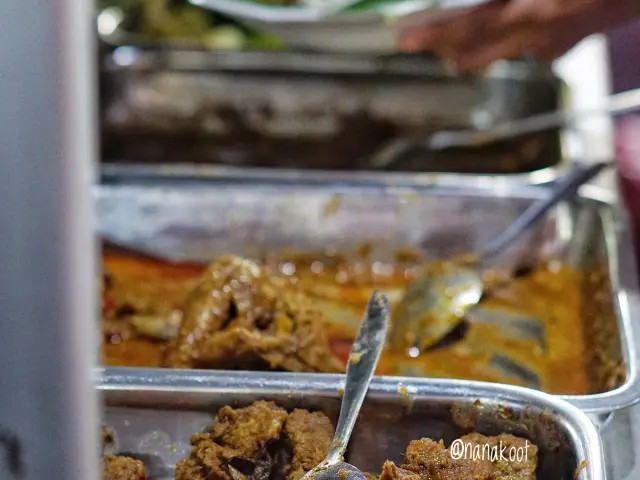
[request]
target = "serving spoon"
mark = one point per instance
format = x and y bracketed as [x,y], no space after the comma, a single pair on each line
[434,304]
[398,149]
[363,360]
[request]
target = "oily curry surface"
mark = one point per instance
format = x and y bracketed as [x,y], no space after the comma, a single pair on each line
[244,316]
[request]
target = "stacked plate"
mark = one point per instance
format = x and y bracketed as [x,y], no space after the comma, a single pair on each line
[354,25]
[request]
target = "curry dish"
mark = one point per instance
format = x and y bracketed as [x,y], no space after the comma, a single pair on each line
[300,313]
[266,442]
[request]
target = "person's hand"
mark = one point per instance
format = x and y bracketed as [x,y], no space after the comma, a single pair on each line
[501,29]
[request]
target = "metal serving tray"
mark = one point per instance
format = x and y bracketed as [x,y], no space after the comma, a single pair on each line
[154,412]
[199,219]
[285,112]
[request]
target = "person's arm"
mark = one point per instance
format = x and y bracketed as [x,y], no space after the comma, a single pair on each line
[500,30]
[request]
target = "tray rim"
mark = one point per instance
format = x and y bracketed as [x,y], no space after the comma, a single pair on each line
[121,171]
[582,431]
[152,57]
[624,281]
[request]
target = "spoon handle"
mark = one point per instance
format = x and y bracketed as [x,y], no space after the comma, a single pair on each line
[363,360]
[565,188]
[617,104]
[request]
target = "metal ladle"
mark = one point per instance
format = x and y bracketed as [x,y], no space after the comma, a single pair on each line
[363,360]
[434,304]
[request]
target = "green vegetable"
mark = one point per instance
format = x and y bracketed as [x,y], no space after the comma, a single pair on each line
[261,41]
[388,6]
[278,3]
[370,5]
[181,23]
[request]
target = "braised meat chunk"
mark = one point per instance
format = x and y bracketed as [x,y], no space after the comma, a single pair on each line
[243,440]
[390,471]
[123,468]
[259,442]
[246,430]
[239,317]
[119,467]
[481,458]
[310,436]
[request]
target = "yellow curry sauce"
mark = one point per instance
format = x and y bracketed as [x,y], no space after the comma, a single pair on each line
[551,293]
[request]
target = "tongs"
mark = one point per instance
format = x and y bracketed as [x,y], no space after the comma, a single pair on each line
[397,150]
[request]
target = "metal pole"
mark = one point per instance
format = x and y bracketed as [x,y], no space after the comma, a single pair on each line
[48,404]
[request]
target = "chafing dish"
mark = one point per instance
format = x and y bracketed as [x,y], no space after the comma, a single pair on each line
[154,412]
[199,219]
[286,113]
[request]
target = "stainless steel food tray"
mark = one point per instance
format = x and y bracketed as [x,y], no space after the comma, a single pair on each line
[199,219]
[273,114]
[154,412]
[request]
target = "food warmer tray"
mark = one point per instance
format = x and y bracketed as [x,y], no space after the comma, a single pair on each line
[198,220]
[154,412]
[283,114]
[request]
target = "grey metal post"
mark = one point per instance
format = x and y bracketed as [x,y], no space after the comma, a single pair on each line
[48,405]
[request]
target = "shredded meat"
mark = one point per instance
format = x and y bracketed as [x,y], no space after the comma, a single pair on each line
[119,467]
[245,430]
[239,317]
[429,460]
[259,442]
[390,471]
[265,442]
[123,468]
[310,436]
